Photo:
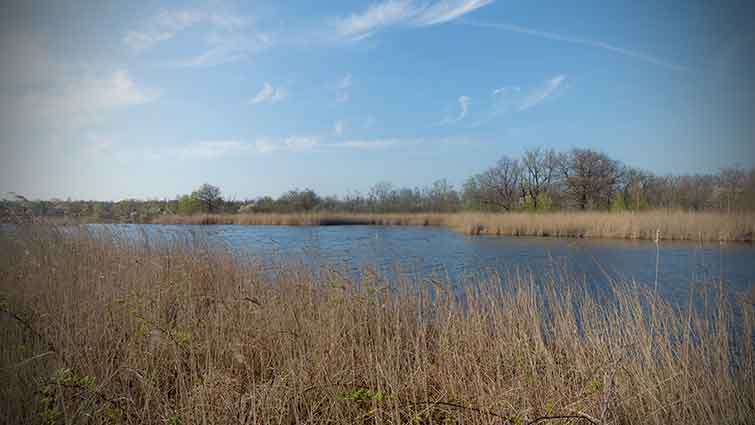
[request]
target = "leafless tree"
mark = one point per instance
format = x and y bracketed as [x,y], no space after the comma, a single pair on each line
[539,169]
[590,178]
[731,186]
[500,185]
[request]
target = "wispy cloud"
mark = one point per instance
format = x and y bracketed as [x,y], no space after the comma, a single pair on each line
[578,40]
[448,10]
[290,144]
[167,24]
[269,94]
[304,144]
[343,89]
[229,37]
[463,106]
[539,95]
[464,102]
[226,49]
[367,144]
[339,127]
[213,149]
[377,16]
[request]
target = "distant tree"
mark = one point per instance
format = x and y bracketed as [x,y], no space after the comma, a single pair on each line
[590,178]
[730,187]
[470,195]
[500,185]
[540,169]
[188,205]
[382,197]
[299,200]
[208,197]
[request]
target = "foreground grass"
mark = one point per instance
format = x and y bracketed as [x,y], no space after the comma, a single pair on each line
[644,225]
[95,329]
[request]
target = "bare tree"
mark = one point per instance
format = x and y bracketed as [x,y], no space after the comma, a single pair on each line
[499,185]
[590,178]
[539,168]
[636,185]
[731,186]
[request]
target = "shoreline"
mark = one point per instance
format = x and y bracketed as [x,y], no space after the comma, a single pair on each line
[670,226]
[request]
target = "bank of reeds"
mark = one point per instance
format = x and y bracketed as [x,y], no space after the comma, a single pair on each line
[95,329]
[307,219]
[688,226]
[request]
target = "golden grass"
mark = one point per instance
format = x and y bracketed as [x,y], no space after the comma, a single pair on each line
[642,225]
[95,329]
[307,219]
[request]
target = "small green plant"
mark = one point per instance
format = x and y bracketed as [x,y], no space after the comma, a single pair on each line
[595,386]
[62,379]
[172,420]
[362,394]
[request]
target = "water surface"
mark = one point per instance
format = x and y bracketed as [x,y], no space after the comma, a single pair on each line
[427,251]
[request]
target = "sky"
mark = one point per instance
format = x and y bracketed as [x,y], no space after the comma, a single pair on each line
[111,100]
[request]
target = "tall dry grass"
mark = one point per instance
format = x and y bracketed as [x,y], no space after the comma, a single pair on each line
[694,226]
[643,225]
[98,329]
[307,219]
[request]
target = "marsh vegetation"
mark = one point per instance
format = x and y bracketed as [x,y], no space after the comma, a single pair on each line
[99,329]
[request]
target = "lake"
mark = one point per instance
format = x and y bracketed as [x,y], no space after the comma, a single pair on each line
[426,251]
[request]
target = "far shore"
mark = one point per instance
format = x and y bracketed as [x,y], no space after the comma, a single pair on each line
[648,225]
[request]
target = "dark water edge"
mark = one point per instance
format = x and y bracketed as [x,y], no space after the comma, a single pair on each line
[426,252]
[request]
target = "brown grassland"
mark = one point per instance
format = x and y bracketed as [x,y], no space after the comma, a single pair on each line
[96,329]
[693,226]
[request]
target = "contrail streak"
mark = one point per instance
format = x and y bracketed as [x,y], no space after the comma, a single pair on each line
[576,40]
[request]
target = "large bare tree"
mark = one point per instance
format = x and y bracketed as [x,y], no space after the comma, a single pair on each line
[500,185]
[590,178]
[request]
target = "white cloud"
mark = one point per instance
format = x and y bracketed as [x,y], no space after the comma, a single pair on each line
[506,90]
[343,90]
[226,49]
[208,150]
[448,10]
[290,144]
[269,94]
[167,24]
[73,102]
[300,144]
[162,27]
[377,15]
[305,144]
[367,144]
[229,37]
[388,13]
[539,95]
[464,102]
[212,149]
[339,127]
[463,106]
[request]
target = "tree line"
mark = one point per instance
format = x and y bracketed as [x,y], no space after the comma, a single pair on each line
[540,180]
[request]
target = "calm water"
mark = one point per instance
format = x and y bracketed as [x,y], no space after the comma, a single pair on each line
[424,251]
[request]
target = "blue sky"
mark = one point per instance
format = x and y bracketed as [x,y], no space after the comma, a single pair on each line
[110,100]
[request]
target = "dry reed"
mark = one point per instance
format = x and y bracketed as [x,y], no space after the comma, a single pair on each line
[643,225]
[98,329]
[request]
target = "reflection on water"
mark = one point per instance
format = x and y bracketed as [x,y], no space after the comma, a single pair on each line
[423,251]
